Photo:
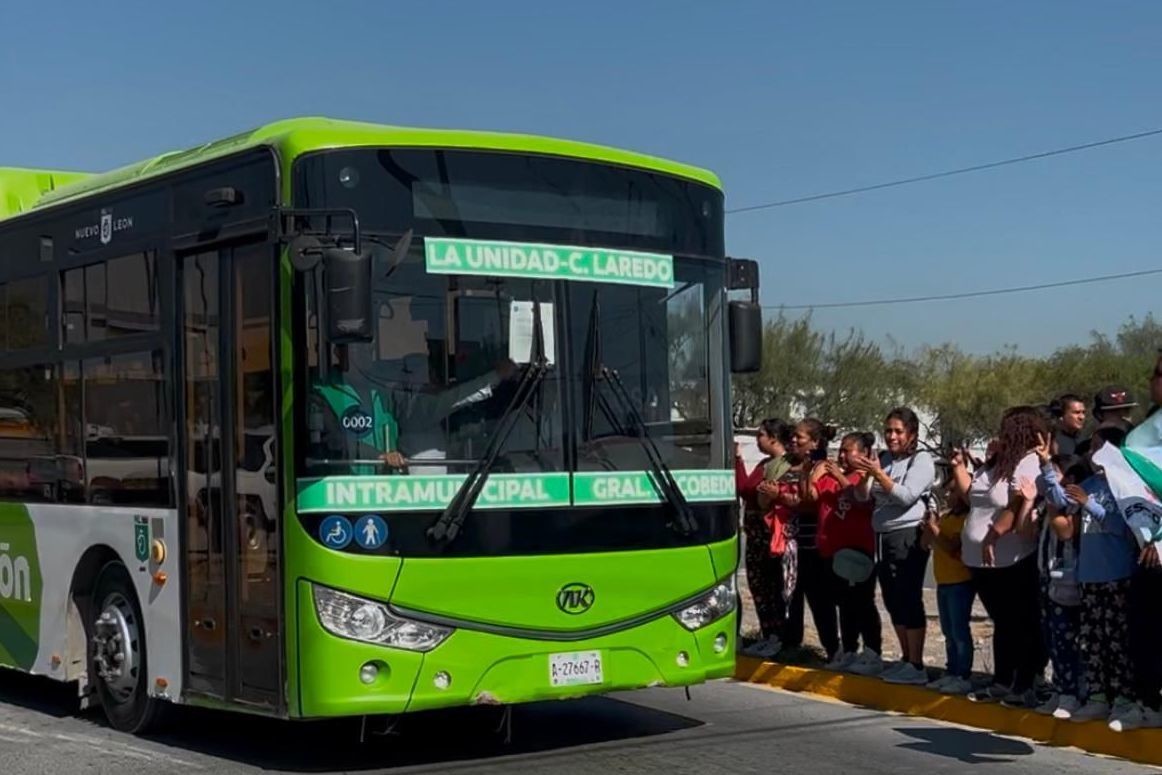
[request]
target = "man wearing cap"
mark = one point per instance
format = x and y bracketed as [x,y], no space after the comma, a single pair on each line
[1114,402]
[1113,408]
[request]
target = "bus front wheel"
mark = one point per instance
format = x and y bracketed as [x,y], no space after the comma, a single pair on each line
[118,666]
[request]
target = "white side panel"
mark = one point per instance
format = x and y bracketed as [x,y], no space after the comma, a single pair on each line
[64,534]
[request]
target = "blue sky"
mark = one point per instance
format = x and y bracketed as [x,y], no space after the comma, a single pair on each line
[780,99]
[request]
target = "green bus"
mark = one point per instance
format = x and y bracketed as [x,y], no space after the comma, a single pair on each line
[339,419]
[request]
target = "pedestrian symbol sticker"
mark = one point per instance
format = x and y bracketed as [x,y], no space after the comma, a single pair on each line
[335,532]
[371,532]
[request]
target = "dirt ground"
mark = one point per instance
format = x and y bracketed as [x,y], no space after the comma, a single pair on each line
[934,654]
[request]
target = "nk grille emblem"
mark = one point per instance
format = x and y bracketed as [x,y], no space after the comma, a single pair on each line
[575,598]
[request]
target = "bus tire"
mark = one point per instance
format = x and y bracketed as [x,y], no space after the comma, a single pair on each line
[118,662]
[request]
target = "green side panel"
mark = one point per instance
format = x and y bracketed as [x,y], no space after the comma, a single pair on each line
[301,135]
[522,591]
[724,557]
[21,588]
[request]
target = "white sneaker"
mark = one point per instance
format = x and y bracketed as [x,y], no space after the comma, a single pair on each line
[867,663]
[1067,705]
[957,686]
[1135,716]
[842,661]
[1092,711]
[1049,707]
[908,675]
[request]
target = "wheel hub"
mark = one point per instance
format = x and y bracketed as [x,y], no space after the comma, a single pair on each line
[116,647]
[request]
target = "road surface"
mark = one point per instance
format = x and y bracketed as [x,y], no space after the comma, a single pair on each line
[726,728]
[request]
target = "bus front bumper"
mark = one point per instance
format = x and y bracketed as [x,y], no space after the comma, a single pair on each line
[473,667]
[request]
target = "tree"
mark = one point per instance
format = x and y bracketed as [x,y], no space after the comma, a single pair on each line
[846,381]
[852,382]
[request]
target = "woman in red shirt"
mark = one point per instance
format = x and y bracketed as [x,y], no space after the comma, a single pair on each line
[762,572]
[847,544]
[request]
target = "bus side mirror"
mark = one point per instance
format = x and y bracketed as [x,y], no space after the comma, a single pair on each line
[746,336]
[347,283]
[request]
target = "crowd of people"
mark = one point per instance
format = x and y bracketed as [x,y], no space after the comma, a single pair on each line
[1031,528]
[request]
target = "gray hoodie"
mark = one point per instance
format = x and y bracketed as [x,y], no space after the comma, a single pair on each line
[902,507]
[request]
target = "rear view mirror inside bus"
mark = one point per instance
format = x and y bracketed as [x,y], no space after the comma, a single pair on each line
[746,337]
[347,280]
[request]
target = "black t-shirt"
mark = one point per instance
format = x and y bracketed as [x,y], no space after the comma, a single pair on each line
[1068,445]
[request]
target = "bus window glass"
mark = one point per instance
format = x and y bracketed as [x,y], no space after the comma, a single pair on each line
[27,423]
[132,295]
[95,302]
[73,306]
[655,340]
[126,437]
[27,310]
[436,379]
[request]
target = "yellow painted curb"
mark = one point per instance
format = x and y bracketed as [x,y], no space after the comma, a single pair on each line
[1140,745]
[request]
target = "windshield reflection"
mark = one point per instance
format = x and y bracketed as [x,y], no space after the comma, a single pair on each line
[435,381]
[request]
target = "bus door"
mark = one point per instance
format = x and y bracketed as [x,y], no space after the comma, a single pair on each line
[227,340]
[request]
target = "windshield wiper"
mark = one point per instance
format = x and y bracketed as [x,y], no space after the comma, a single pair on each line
[662,480]
[447,527]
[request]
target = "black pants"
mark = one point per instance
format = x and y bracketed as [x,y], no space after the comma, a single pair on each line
[1010,595]
[859,618]
[1146,635]
[764,576]
[816,589]
[1104,640]
[901,565]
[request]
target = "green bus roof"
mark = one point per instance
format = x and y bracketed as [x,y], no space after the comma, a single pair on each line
[22,190]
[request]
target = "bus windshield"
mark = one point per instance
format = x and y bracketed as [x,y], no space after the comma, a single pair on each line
[629,356]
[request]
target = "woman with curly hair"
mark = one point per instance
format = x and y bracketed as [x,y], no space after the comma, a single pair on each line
[999,545]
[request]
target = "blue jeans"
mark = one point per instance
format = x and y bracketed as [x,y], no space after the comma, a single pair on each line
[954,602]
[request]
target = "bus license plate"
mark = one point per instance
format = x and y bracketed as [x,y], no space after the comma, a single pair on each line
[575,669]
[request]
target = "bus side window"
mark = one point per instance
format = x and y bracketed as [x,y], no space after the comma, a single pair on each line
[27,424]
[126,438]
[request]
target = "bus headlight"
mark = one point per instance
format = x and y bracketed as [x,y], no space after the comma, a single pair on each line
[711,607]
[357,618]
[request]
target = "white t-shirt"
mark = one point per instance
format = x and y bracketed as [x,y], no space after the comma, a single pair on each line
[988,498]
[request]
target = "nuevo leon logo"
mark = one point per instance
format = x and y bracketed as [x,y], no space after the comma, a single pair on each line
[105,227]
